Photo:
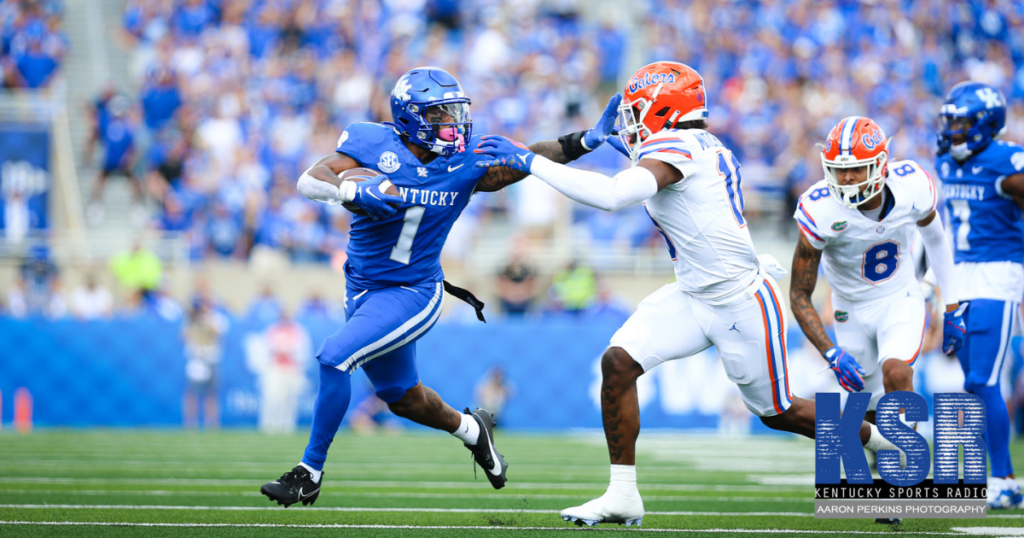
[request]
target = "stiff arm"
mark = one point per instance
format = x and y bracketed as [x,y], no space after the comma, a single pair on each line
[321,182]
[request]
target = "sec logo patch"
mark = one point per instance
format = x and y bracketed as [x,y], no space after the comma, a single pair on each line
[388,162]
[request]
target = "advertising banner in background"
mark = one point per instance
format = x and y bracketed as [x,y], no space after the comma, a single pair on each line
[24,179]
[131,372]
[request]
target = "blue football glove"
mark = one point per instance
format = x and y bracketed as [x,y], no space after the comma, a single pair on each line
[604,126]
[504,152]
[369,196]
[847,371]
[953,330]
[614,142]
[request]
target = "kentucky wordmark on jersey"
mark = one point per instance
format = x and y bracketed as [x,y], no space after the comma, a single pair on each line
[405,248]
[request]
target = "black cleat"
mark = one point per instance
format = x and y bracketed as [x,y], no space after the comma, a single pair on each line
[484,452]
[294,486]
[889,521]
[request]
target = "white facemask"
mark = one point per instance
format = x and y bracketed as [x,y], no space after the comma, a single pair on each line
[960,151]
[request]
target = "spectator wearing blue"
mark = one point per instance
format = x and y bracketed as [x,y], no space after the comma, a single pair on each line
[265,308]
[36,61]
[317,308]
[174,217]
[225,231]
[194,16]
[160,99]
[113,128]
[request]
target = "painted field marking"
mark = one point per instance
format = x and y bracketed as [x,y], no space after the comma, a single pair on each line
[357,509]
[395,484]
[399,495]
[456,527]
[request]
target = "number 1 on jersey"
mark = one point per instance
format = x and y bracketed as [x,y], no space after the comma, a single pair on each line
[730,169]
[962,213]
[402,251]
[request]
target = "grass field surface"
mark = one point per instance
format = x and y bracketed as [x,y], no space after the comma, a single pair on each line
[168,483]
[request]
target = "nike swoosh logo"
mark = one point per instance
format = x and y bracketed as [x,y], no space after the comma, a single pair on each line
[494,453]
[454,168]
[301,496]
[976,169]
[523,156]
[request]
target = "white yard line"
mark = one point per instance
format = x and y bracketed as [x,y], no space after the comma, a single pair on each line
[456,527]
[355,509]
[396,484]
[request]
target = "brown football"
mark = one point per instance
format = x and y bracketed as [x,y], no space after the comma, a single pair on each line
[362,174]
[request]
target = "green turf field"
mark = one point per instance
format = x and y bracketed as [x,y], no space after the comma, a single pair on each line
[168,483]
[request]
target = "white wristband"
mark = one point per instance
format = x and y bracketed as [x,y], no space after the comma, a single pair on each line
[347,190]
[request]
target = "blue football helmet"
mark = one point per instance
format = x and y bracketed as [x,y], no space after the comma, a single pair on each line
[975,110]
[429,106]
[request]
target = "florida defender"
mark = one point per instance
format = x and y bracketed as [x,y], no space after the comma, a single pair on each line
[860,221]
[723,295]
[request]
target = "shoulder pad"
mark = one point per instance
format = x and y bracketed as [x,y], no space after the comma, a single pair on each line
[366,132]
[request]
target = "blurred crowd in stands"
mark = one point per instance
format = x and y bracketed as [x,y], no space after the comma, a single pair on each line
[575,291]
[32,43]
[237,97]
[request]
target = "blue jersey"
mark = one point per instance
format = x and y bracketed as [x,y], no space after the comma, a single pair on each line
[405,249]
[986,223]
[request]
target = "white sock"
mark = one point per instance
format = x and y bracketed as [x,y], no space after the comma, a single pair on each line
[876,442]
[316,474]
[623,479]
[469,430]
[1011,483]
[996,484]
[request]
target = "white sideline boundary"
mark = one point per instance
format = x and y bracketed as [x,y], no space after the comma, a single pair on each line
[390,509]
[355,509]
[456,527]
[384,484]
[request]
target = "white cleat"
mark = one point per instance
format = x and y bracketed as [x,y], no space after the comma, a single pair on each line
[624,509]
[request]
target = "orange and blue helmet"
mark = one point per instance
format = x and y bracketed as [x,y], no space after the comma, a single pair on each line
[657,97]
[855,142]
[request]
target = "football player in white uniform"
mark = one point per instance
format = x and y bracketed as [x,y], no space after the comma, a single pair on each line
[723,294]
[860,221]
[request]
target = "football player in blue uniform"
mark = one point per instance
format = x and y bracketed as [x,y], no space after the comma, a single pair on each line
[394,282]
[983,184]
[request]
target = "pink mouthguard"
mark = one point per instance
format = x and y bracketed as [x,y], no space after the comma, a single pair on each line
[451,134]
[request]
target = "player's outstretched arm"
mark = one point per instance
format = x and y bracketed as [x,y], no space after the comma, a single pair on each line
[499,177]
[803,279]
[321,182]
[566,149]
[591,188]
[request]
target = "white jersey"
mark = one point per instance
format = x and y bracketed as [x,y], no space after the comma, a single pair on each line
[865,259]
[701,216]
